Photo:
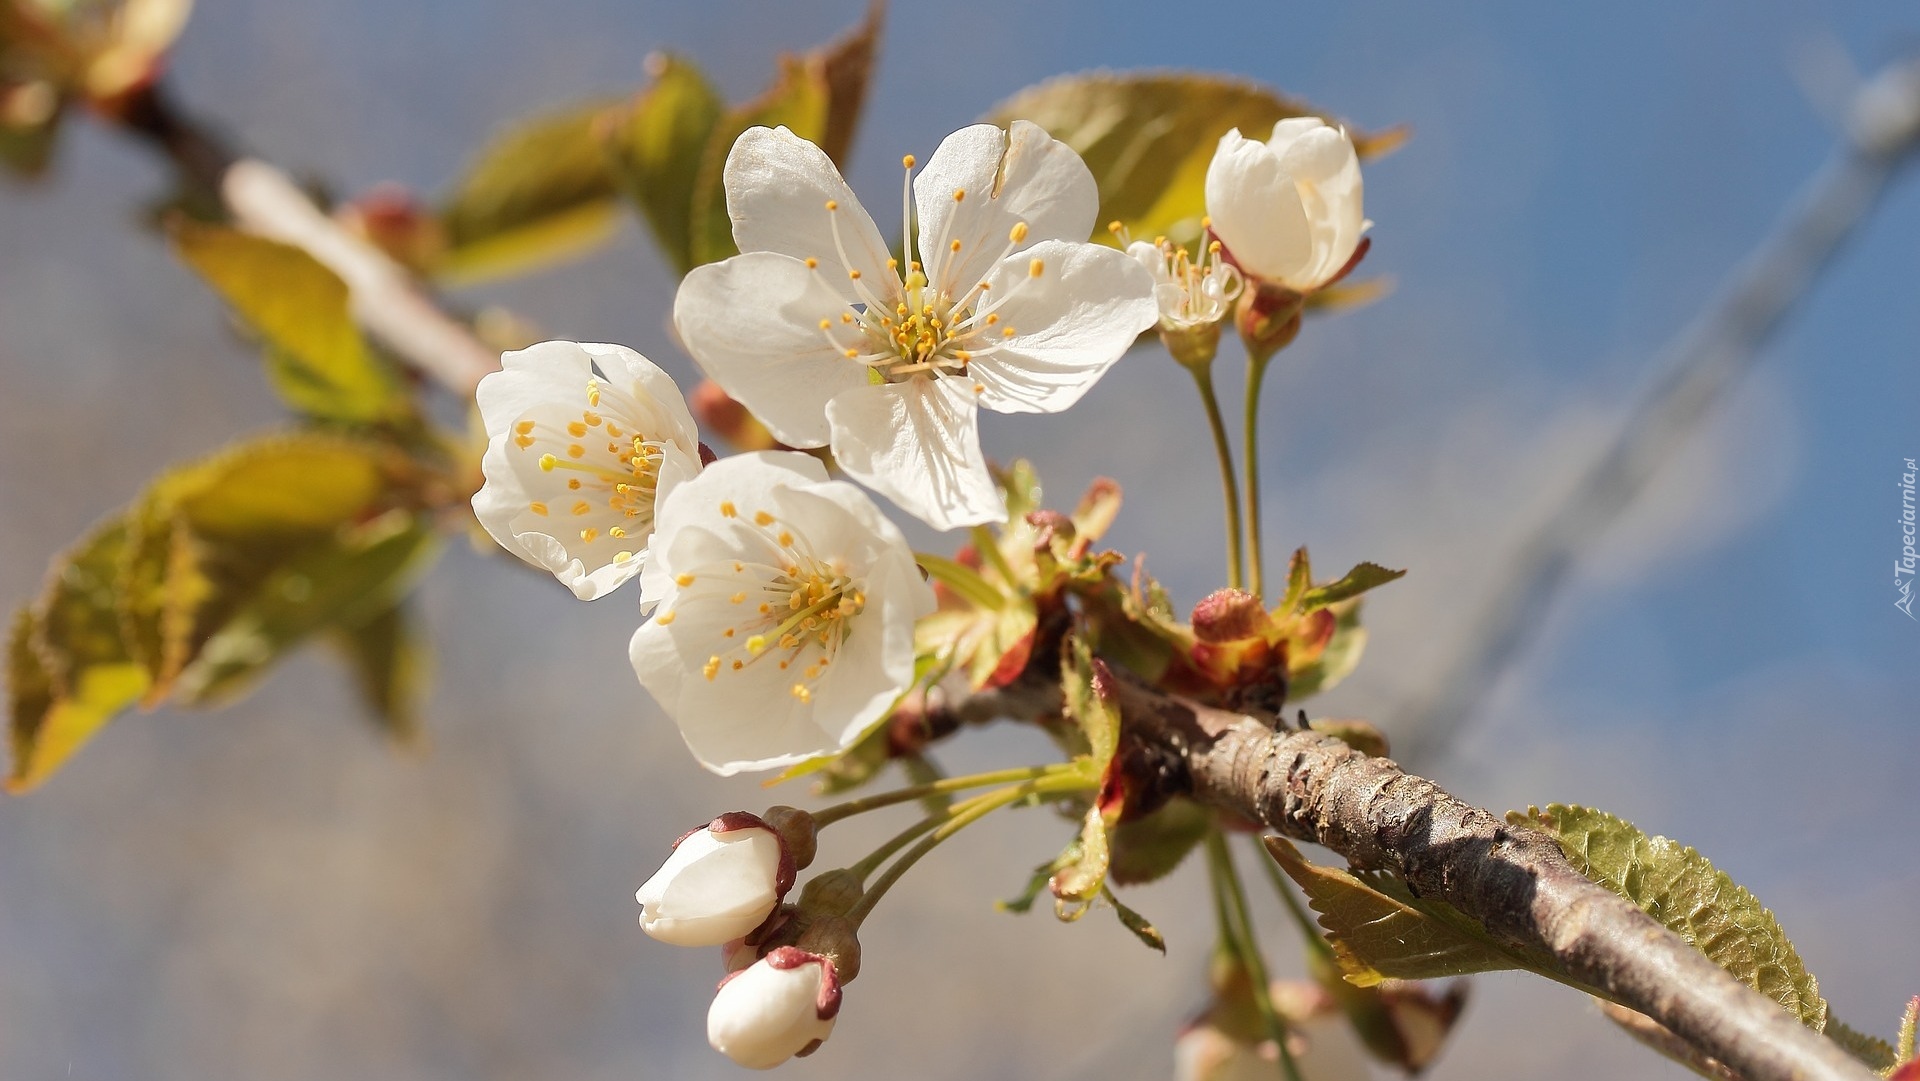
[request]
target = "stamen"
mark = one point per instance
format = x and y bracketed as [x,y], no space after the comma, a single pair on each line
[666,617]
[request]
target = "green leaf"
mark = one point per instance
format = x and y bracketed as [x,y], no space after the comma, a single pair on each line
[1334,663]
[1082,873]
[818,96]
[1379,931]
[1876,1053]
[1148,138]
[1133,921]
[388,656]
[1909,1021]
[541,192]
[1683,891]
[1149,847]
[315,357]
[1089,700]
[68,672]
[656,144]
[1036,885]
[1359,580]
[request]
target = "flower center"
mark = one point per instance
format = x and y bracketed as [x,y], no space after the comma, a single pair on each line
[910,327]
[1189,291]
[612,473]
[795,608]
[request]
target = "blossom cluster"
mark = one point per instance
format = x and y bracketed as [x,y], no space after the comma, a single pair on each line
[779,604]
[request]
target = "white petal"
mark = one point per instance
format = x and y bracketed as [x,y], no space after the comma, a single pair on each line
[1256,209]
[753,323]
[1070,324]
[712,889]
[532,376]
[778,186]
[918,444]
[645,382]
[764,1016]
[1019,175]
[689,519]
[1292,128]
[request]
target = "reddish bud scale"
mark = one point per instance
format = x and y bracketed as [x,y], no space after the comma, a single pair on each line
[786,958]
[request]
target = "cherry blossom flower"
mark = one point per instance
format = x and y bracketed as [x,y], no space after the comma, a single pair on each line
[831,341]
[577,459]
[783,610]
[782,1005]
[1189,293]
[722,881]
[1289,209]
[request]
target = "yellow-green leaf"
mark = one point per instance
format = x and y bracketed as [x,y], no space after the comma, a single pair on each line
[1148,138]
[1142,929]
[1378,930]
[1876,1053]
[388,656]
[1150,847]
[656,145]
[1337,661]
[1359,580]
[1089,701]
[1678,887]
[315,355]
[541,192]
[818,96]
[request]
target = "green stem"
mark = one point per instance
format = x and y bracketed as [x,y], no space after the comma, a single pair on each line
[1256,374]
[959,817]
[1203,379]
[828,815]
[1220,859]
[1309,929]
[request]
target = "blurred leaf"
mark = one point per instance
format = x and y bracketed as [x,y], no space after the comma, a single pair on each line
[1097,510]
[1359,580]
[1133,921]
[1678,887]
[541,192]
[1148,138]
[1148,848]
[1019,485]
[68,672]
[1336,661]
[818,96]
[1909,1022]
[1089,700]
[656,145]
[1082,869]
[316,358]
[388,655]
[1359,735]
[1378,930]
[26,149]
[1036,885]
[1349,294]
[1875,1052]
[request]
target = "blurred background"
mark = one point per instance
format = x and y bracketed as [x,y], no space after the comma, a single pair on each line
[269,892]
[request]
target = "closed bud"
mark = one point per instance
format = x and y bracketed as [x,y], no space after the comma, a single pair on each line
[1228,615]
[1289,209]
[722,881]
[796,828]
[831,893]
[782,1005]
[836,939]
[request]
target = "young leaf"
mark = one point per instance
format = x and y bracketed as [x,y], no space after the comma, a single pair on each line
[1089,700]
[1133,921]
[1360,579]
[541,192]
[1148,848]
[1148,138]
[817,96]
[1334,662]
[1378,930]
[1875,1052]
[1678,887]
[388,655]
[1909,1022]
[655,146]
[1036,885]
[315,355]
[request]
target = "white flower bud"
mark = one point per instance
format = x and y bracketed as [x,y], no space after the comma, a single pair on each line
[1289,209]
[781,1006]
[722,881]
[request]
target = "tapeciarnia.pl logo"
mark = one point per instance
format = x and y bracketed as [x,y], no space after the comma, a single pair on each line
[1904,567]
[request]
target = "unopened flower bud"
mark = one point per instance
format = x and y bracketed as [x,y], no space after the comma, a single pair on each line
[722,881]
[837,939]
[1228,615]
[796,828]
[1268,319]
[782,1005]
[831,893]
[1289,209]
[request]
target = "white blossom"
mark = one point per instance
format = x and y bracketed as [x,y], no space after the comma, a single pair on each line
[722,881]
[783,611]
[1289,210]
[577,459]
[1189,293]
[782,1005]
[830,340]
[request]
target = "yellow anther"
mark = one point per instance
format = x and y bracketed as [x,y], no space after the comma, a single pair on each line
[738,665]
[727,509]
[1006,332]
[833,204]
[582,507]
[622,557]
[588,534]
[576,429]
[616,532]
[593,392]
[683,580]
[665,617]
[846,317]
[979,388]
[592,419]
[525,427]
[959,195]
[728,633]
[800,691]
[1018,233]
[573,484]
[1206,222]
[757,644]
[575,450]
[523,441]
[854,274]
[786,539]
[738,566]
[907,161]
[738,598]
[538,508]
[548,462]
[613,431]
[1037,267]
[1115,227]
[1214,247]
[853,354]
[812,263]
[762,518]
[954,246]
[712,667]
[992,318]
[825,323]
